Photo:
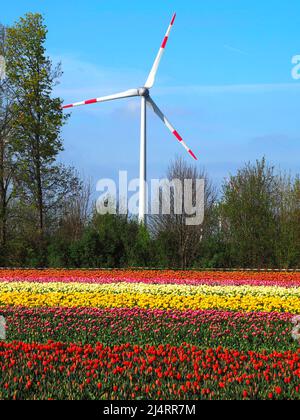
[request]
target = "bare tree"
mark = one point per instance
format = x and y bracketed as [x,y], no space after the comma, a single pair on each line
[183,240]
[75,212]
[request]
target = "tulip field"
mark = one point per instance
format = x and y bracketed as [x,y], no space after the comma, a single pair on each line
[169,335]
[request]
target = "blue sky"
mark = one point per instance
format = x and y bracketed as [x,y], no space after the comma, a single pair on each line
[224,82]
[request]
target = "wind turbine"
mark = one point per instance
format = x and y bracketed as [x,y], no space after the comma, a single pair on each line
[144,93]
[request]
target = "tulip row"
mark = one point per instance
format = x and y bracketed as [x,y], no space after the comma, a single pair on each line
[247,331]
[167,297]
[284,279]
[60,371]
[150,289]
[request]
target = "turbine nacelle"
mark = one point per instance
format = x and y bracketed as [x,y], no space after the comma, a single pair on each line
[144,92]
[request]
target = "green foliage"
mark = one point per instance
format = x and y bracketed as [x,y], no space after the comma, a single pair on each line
[249,212]
[58,253]
[108,241]
[256,223]
[287,249]
[87,251]
[38,117]
[33,187]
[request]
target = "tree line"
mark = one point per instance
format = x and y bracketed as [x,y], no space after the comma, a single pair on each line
[48,219]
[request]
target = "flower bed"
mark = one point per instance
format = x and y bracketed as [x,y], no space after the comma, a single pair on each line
[171,335]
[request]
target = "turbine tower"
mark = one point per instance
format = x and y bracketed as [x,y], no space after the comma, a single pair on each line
[144,93]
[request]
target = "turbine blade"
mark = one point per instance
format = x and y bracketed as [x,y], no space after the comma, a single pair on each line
[151,79]
[127,94]
[167,123]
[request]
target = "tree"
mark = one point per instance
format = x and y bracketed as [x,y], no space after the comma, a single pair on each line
[7,163]
[249,215]
[214,251]
[38,117]
[117,235]
[75,212]
[180,240]
[288,243]
[68,227]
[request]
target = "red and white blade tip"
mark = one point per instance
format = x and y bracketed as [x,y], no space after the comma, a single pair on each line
[151,78]
[166,38]
[88,102]
[180,139]
[193,155]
